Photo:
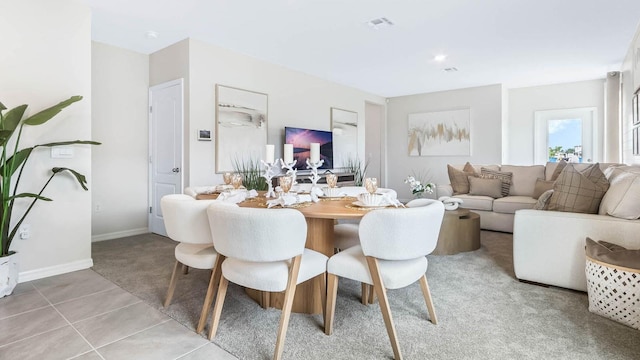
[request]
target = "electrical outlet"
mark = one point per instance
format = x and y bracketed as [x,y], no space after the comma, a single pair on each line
[25,231]
[98,207]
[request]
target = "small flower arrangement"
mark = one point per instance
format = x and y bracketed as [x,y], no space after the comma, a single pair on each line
[418,188]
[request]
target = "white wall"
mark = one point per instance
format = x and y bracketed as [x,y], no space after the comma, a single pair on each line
[46,58]
[120,86]
[485,104]
[630,83]
[295,99]
[524,102]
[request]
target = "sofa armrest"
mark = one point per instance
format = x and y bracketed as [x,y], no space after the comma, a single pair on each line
[444,190]
[548,246]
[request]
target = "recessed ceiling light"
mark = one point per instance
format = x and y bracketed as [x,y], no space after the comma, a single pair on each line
[379,23]
[440,57]
[151,34]
[451,69]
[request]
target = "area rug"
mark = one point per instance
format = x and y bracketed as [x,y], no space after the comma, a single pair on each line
[483,311]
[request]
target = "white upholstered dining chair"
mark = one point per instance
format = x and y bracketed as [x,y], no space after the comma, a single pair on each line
[186,222]
[263,249]
[392,255]
[345,233]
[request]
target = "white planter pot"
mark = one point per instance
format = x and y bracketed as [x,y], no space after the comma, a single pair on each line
[8,274]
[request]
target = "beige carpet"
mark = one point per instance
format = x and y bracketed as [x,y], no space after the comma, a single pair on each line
[483,311]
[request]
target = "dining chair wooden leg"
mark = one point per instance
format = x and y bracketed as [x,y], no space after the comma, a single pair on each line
[172,284]
[217,309]
[372,295]
[365,293]
[332,293]
[286,306]
[211,290]
[378,285]
[185,269]
[427,298]
[322,288]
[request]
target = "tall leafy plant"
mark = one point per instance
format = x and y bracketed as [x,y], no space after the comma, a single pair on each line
[354,165]
[250,168]
[13,160]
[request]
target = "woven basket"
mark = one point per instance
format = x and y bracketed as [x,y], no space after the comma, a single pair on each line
[614,292]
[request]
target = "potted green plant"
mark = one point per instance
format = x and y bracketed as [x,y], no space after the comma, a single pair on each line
[12,163]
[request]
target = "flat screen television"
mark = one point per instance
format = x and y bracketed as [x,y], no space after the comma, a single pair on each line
[301,138]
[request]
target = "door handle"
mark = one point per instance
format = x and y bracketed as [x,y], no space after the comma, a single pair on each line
[175,170]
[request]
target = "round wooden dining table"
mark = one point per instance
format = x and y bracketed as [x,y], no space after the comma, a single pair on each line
[321,217]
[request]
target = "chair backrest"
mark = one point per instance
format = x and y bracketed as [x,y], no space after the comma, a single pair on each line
[419,202]
[357,190]
[185,218]
[401,234]
[257,234]
[190,191]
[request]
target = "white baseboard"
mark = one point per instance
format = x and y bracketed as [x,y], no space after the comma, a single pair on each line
[119,234]
[54,270]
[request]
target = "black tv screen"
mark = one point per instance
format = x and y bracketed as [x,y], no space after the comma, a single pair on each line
[301,138]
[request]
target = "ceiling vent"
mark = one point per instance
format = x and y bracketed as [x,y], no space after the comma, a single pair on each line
[379,23]
[451,69]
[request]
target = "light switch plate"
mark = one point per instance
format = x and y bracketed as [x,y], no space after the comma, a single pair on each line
[62,152]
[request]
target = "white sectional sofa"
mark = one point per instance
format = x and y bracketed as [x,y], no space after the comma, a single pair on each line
[498,214]
[549,246]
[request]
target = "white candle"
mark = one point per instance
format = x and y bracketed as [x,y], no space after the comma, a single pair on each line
[315,153]
[288,153]
[270,154]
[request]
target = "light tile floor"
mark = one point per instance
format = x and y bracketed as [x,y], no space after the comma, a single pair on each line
[81,315]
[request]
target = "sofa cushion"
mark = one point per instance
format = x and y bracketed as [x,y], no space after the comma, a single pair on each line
[613,254]
[505,177]
[458,178]
[485,187]
[524,178]
[622,200]
[543,200]
[541,186]
[474,202]
[579,191]
[509,204]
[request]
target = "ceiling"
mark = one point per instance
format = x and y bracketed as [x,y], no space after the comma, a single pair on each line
[512,42]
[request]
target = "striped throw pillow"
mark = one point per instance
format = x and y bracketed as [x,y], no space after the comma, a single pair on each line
[505,177]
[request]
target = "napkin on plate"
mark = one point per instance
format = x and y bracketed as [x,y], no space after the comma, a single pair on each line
[387,200]
[289,199]
[237,196]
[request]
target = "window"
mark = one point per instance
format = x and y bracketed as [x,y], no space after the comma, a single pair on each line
[565,134]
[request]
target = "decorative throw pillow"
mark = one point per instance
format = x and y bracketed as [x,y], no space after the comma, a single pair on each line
[622,200]
[543,200]
[541,186]
[485,187]
[612,254]
[561,165]
[579,191]
[459,178]
[505,178]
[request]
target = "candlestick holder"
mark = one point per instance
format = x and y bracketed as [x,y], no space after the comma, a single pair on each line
[290,170]
[268,175]
[314,171]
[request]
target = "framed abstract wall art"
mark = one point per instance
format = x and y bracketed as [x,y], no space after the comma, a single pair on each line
[440,133]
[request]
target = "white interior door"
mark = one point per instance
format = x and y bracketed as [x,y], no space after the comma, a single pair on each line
[165,142]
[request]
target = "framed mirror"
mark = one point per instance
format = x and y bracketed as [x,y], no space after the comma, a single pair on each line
[241,125]
[344,125]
